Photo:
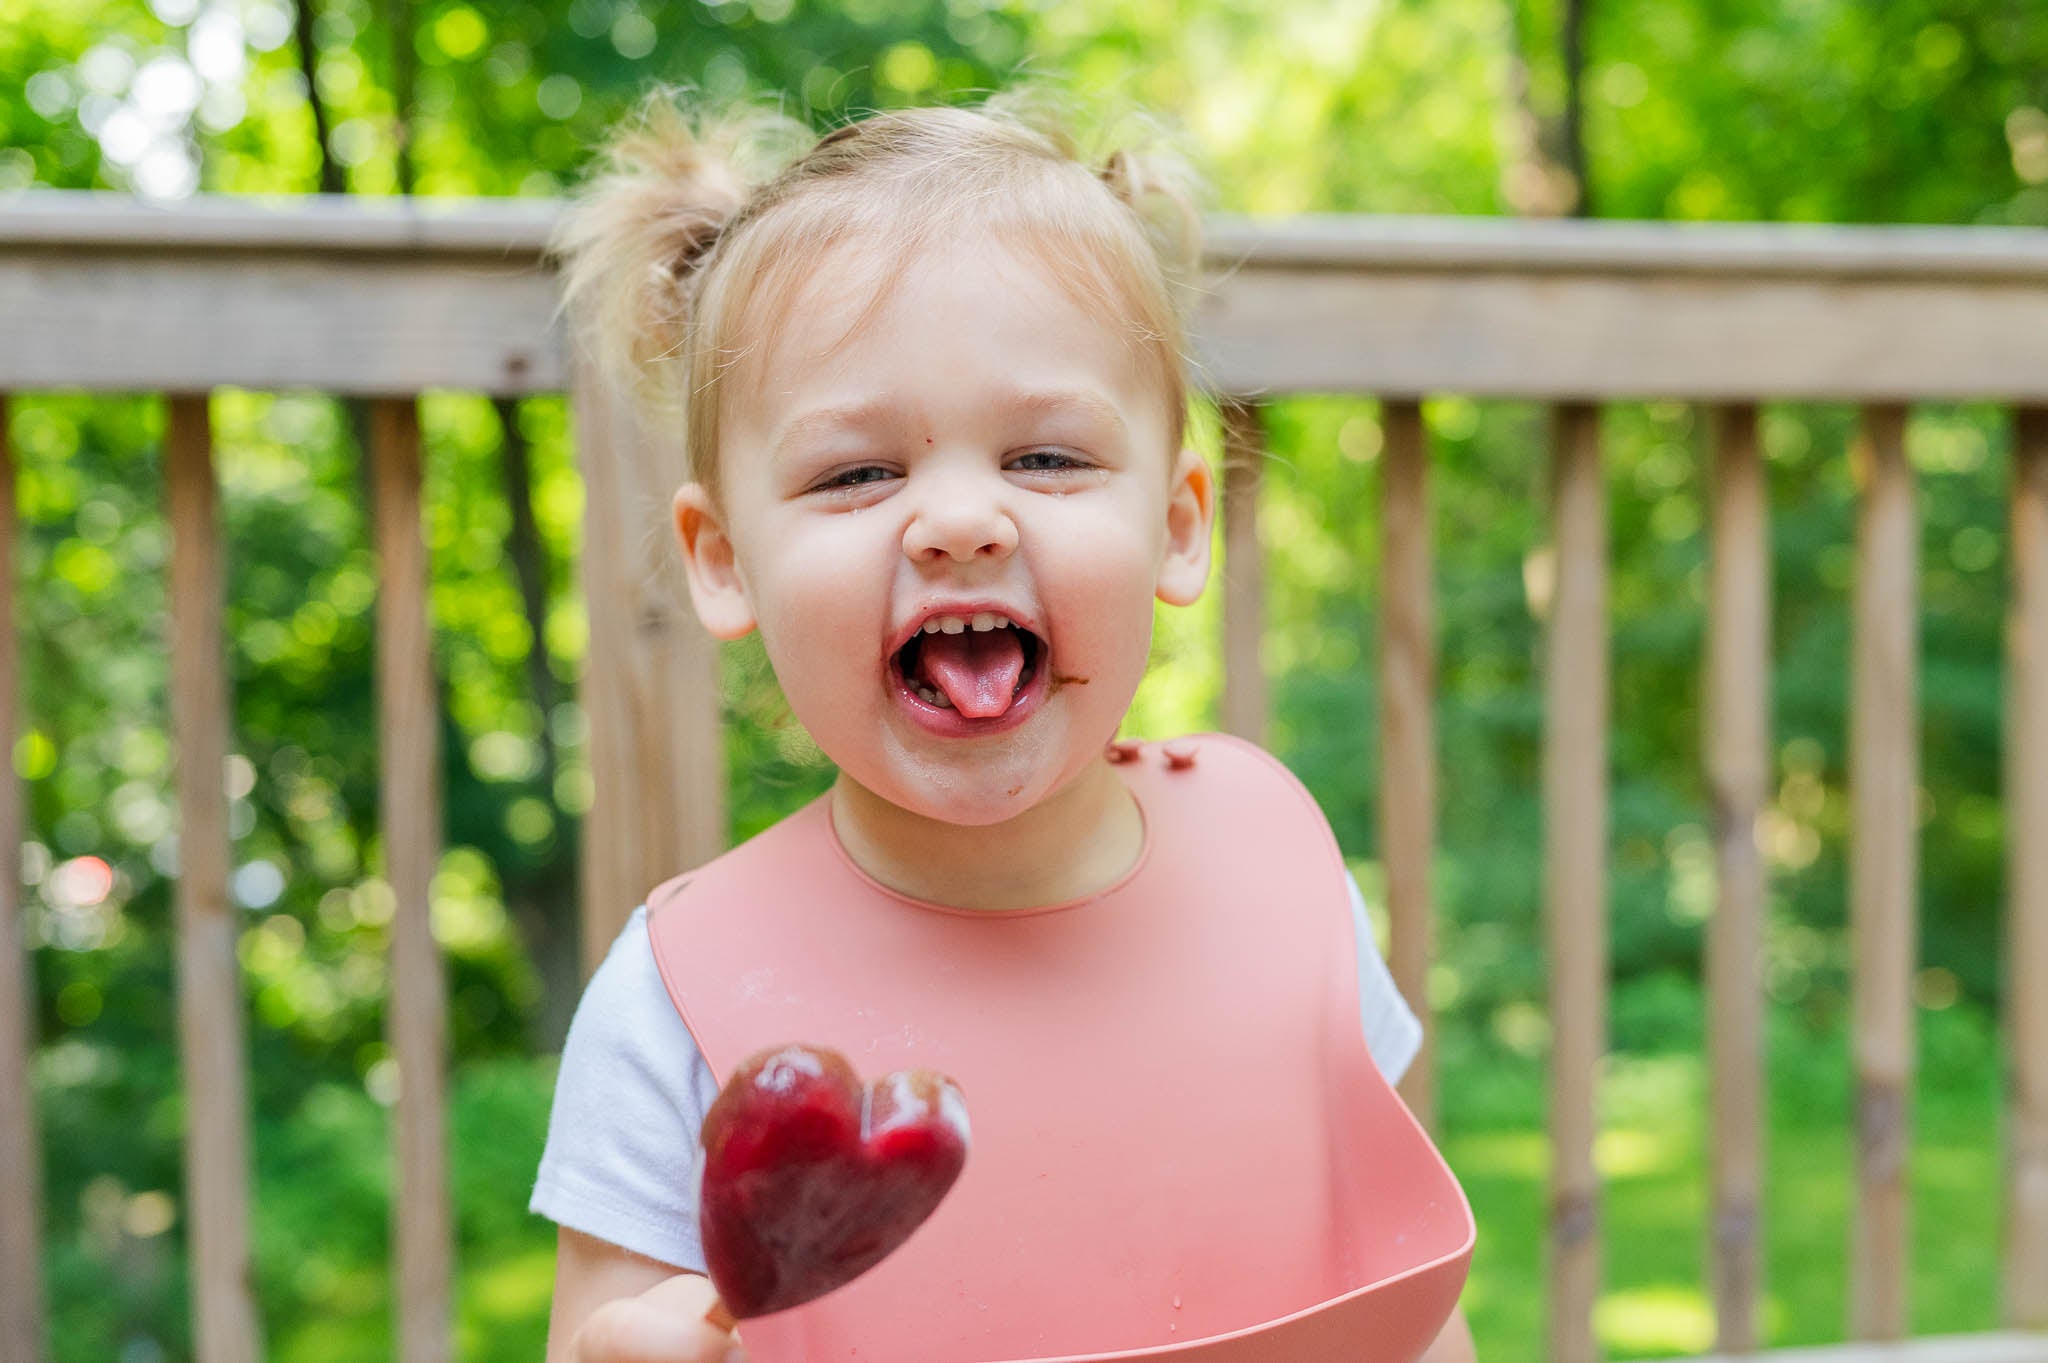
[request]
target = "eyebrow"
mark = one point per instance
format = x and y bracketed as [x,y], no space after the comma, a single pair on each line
[866,415]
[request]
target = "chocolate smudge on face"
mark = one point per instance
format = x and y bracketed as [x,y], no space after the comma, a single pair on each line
[1058,681]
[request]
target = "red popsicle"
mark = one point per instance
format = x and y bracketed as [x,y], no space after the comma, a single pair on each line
[810,1178]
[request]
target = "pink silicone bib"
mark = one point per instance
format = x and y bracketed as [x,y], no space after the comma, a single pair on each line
[1181,1145]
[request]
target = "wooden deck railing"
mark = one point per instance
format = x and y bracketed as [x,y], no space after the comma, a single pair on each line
[387,300]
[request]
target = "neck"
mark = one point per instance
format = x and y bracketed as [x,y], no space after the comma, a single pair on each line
[1078,842]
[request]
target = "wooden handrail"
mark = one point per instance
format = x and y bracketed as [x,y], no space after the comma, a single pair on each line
[515,228]
[104,293]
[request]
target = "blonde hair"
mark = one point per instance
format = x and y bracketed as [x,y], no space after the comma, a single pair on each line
[680,255]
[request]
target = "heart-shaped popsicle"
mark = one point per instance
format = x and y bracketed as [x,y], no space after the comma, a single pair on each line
[810,1178]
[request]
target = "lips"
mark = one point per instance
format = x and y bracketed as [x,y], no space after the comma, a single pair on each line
[961,684]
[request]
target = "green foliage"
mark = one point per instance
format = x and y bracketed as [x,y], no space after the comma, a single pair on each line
[1916,111]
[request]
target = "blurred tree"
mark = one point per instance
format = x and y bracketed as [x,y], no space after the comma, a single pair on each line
[1824,110]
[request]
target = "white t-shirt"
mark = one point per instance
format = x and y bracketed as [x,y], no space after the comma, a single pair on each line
[633,1089]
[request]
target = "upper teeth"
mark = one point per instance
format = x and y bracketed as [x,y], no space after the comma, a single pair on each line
[981,622]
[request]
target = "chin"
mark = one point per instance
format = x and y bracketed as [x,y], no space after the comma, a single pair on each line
[978,801]
[969,789]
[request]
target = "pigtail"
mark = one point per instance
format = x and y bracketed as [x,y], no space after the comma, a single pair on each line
[1159,184]
[1142,160]
[634,241]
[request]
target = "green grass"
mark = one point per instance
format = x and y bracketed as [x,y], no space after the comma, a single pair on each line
[1652,1154]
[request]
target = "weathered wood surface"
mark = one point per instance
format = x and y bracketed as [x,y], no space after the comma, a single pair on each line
[1408,729]
[2005,1347]
[1884,772]
[657,747]
[1575,691]
[1272,331]
[2026,807]
[210,1019]
[99,293]
[515,227]
[150,320]
[21,1173]
[1737,748]
[1244,573]
[409,800]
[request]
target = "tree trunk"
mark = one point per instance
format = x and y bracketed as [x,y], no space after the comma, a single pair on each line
[398,22]
[309,67]
[1543,157]
[1573,45]
[546,905]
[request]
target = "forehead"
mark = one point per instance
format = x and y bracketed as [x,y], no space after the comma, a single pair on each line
[966,325]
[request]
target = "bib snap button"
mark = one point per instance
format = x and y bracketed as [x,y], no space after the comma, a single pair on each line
[1180,755]
[1122,750]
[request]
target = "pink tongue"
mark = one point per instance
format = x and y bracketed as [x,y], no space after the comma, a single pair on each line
[978,671]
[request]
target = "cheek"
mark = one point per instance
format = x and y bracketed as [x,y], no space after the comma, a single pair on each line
[810,634]
[821,616]
[1103,598]
[1117,546]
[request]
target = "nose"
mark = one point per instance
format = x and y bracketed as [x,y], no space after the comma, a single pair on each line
[960,516]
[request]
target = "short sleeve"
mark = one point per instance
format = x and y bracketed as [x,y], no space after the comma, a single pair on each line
[630,1097]
[1392,1032]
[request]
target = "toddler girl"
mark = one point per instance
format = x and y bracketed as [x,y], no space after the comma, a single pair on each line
[930,377]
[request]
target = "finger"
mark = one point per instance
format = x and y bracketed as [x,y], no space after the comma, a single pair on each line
[686,1294]
[662,1325]
[693,1296]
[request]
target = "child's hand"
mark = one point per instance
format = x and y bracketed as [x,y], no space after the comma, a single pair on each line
[664,1324]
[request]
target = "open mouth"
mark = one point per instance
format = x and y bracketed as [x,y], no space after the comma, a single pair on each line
[978,674]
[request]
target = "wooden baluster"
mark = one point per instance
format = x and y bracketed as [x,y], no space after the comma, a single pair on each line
[2026,841]
[1244,572]
[1883,868]
[1575,864]
[210,1021]
[409,737]
[1738,754]
[1408,728]
[21,1167]
[657,746]
[608,861]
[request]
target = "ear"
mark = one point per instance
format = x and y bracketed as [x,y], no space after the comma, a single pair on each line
[1190,523]
[716,587]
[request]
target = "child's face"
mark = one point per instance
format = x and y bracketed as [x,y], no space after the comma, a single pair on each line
[1010,453]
